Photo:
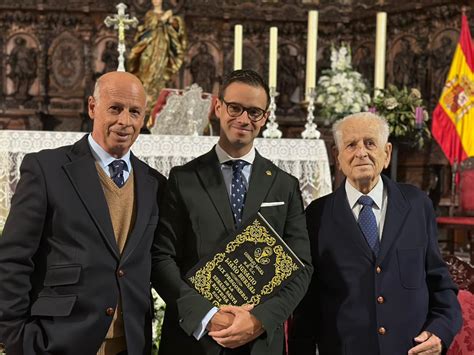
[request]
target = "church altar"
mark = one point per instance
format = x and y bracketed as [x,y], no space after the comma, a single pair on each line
[305,159]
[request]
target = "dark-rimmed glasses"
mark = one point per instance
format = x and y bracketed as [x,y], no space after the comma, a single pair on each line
[235,110]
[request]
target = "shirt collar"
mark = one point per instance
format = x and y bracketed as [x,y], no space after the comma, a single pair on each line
[376,193]
[104,158]
[223,156]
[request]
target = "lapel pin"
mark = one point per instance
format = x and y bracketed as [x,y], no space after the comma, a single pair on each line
[268,172]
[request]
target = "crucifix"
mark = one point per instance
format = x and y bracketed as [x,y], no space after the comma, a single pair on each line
[121,22]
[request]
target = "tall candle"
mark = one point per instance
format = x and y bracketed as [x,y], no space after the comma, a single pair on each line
[311,51]
[380,48]
[238,47]
[272,70]
[419,117]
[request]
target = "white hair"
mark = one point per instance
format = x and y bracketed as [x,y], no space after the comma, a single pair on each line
[381,121]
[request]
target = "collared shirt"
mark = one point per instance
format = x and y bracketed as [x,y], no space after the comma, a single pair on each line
[104,159]
[224,157]
[378,195]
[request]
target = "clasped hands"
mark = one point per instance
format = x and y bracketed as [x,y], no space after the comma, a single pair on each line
[234,326]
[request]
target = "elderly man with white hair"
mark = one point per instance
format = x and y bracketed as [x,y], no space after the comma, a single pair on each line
[380,285]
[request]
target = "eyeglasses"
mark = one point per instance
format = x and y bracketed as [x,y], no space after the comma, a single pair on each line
[235,110]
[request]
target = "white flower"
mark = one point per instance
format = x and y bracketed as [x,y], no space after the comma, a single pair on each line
[390,103]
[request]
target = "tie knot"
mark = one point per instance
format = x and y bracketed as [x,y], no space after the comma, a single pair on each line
[365,200]
[237,165]
[118,166]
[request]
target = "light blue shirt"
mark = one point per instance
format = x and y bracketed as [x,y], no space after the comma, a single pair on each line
[378,195]
[104,159]
[224,157]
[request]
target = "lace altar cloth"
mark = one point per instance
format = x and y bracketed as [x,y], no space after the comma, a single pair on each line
[305,159]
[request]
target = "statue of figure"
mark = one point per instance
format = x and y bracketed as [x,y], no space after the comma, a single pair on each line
[287,77]
[23,66]
[110,57]
[404,65]
[203,68]
[441,60]
[159,50]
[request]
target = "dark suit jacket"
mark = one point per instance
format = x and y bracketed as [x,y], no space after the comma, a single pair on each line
[409,274]
[197,219]
[59,260]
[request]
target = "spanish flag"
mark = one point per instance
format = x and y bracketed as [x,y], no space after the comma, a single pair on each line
[453,117]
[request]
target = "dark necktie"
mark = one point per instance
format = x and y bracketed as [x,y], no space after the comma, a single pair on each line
[117,167]
[238,190]
[368,224]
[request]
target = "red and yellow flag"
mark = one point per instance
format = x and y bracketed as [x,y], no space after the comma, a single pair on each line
[453,117]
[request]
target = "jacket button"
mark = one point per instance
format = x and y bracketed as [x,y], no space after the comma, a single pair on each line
[380,299]
[378,269]
[121,273]
[382,331]
[110,311]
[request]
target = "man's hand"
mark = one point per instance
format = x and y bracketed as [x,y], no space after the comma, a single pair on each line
[244,329]
[429,344]
[220,320]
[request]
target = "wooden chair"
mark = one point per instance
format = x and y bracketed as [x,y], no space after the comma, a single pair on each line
[463,219]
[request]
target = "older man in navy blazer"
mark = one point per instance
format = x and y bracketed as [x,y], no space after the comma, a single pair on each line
[380,285]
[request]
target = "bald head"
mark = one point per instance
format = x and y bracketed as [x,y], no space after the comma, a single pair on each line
[118,110]
[114,78]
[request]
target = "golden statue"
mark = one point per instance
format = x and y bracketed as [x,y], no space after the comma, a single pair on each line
[159,49]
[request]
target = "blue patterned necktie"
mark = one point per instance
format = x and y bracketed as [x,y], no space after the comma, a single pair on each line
[238,190]
[117,167]
[368,224]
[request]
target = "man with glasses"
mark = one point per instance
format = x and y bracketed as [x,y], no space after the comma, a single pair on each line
[207,200]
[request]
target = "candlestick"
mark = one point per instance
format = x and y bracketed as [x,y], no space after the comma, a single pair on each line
[419,117]
[272,70]
[238,30]
[310,131]
[272,130]
[311,52]
[380,48]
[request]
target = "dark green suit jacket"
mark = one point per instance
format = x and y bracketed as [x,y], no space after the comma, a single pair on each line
[196,217]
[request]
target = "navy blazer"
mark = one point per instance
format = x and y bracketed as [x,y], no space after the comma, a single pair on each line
[59,259]
[359,304]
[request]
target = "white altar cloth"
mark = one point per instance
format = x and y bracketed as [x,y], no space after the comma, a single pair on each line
[305,159]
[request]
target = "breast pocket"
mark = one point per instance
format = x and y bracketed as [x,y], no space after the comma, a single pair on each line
[411,265]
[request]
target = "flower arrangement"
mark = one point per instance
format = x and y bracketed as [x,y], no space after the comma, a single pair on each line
[341,90]
[159,307]
[404,111]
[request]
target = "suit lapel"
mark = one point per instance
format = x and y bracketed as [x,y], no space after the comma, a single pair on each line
[144,199]
[261,179]
[347,224]
[212,181]
[83,176]
[397,210]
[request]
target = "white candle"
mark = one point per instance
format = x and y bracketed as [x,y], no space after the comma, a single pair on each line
[238,47]
[311,51]
[380,48]
[272,70]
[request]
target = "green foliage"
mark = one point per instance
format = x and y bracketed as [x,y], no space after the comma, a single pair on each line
[159,307]
[398,106]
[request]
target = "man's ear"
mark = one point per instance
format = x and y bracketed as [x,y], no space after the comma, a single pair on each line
[218,108]
[388,152]
[91,105]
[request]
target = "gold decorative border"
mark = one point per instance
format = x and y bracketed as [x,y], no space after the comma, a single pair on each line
[256,233]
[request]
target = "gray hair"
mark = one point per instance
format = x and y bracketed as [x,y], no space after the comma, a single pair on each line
[381,121]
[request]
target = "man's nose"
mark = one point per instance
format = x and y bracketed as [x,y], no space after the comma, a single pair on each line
[124,118]
[244,117]
[361,151]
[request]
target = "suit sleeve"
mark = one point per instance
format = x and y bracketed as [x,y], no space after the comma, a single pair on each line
[444,318]
[167,251]
[278,308]
[302,333]
[18,245]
